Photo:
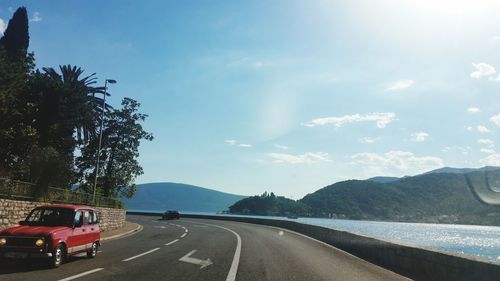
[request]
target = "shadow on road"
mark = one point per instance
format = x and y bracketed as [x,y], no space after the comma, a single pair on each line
[9,266]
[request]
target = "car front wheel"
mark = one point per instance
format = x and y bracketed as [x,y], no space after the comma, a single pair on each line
[93,251]
[57,256]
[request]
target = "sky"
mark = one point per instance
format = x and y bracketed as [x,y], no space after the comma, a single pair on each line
[289,96]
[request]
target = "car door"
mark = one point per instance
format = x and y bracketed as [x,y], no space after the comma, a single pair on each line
[93,227]
[88,228]
[77,240]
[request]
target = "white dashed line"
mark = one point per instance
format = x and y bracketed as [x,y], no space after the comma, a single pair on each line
[82,274]
[172,242]
[183,235]
[140,255]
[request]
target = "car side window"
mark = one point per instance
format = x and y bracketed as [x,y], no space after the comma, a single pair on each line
[78,218]
[94,217]
[86,217]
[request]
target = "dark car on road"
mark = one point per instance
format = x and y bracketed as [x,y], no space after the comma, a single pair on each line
[53,232]
[171,215]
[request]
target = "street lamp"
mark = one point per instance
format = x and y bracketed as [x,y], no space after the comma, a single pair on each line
[110,81]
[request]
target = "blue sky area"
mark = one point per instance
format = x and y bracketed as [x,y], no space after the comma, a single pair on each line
[289,96]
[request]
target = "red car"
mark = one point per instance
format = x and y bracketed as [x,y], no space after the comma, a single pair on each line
[53,232]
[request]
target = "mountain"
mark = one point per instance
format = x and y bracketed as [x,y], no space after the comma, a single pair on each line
[383,179]
[431,197]
[451,170]
[445,195]
[444,170]
[181,197]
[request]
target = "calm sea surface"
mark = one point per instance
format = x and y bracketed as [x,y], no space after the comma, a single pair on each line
[481,241]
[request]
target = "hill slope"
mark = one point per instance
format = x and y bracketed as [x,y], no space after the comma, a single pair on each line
[269,205]
[181,197]
[434,197]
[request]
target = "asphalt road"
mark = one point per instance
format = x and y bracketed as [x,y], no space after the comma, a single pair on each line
[197,249]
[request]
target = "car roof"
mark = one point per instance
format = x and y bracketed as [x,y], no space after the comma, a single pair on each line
[67,206]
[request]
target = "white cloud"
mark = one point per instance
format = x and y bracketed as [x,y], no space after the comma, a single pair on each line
[306,158]
[473,110]
[483,70]
[485,141]
[419,136]
[491,160]
[367,140]
[460,149]
[3,26]
[282,147]
[495,119]
[487,150]
[400,85]
[36,17]
[381,119]
[469,128]
[395,162]
[234,142]
[483,129]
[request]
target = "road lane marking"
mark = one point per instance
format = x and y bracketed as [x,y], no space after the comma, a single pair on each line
[187,258]
[172,242]
[81,274]
[183,235]
[140,255]
[231,276]
[185,230]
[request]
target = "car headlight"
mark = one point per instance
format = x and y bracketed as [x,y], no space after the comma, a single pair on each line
[3,241]
[39,242]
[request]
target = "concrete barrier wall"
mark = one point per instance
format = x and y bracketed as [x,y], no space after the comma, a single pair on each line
[410,261]
[13,211]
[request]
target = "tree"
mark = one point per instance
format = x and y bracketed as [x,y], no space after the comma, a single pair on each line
[17,134]
[16,37]
[120,150]
[66,104]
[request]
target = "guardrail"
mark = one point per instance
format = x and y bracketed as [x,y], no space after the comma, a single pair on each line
[26,191]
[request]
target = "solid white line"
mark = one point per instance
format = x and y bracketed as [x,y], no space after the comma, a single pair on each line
[183,235]
[231,276]
[82,274]
[140,255]
[172,242]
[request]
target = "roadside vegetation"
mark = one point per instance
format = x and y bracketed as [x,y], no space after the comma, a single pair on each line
[50,122]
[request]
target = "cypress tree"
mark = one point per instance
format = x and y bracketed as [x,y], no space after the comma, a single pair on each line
[16,37]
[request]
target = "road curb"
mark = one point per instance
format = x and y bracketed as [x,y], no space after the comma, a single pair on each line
[133,231]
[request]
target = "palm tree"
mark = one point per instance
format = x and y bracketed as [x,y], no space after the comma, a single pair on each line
[68,105]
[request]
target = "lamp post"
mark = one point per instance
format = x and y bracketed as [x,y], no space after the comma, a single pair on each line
[110,81]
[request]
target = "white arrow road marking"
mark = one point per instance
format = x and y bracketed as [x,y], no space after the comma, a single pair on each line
[231,275]
[183,235]
[188,259]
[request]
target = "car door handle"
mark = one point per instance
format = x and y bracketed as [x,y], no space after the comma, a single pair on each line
[83,230]
[92,229]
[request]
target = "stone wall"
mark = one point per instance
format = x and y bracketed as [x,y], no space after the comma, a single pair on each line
[13,211]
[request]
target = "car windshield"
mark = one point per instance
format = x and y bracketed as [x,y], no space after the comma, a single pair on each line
[50,217]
